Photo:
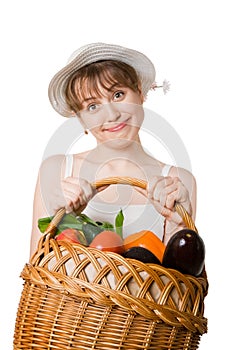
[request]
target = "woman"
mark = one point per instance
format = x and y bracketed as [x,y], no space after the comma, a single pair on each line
[104,86]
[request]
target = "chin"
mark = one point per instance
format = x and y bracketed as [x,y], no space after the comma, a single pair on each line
[121,143]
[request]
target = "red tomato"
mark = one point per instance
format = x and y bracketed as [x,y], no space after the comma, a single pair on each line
[68,235]
[71,235]
[108,241]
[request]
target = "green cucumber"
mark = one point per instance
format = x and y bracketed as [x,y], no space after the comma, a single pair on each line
[90,231]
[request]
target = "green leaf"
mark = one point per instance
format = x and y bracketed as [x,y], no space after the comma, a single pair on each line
[77,222]
[84,218]
[69,221]
[43,223]
[108,226]
[76,226]
[119,223]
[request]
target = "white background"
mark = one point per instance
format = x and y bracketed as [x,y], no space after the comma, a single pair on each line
[190,43]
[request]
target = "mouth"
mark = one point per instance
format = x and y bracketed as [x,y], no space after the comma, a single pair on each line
[117,127]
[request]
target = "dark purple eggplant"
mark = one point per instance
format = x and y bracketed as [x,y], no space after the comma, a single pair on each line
[185,252]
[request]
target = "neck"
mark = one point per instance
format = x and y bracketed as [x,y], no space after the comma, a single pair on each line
[119,149]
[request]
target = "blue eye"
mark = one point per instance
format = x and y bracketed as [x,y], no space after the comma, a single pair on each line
[118,95]
[92,107]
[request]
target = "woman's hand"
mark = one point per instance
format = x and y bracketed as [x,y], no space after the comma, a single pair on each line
[163,192]
[74,195]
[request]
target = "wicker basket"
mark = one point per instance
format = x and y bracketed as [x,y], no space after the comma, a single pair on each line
[125,305]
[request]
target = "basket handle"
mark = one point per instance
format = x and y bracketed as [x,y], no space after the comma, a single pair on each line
[187,219]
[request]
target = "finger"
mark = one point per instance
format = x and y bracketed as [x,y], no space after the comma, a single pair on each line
[162,189]
[182,193]
[141,191]
[80,187]
[178,194]
[71,186]
[166,212]
[175,217]
[166,195]
[58,203]
[169,214]
[69,209]
[71,179]
[101,188]
[170,200]
[156,185]
[62,199]
[80,209]
[86,192]
[71,200]
[151,185]
[170,195]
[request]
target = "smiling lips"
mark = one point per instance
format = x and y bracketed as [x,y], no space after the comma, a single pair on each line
[118,127]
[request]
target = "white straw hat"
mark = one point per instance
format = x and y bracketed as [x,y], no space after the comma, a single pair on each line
[92,53]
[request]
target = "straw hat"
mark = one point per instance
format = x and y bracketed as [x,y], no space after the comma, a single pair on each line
[92,53]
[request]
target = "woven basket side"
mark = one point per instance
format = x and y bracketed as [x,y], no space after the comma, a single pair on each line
[49,319]
[99,295]
[109,279]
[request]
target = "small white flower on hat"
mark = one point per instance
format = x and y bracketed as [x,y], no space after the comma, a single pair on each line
[165,86]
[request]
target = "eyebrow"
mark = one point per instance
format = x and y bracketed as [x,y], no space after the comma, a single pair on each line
[115,85]
[88,99]
[109,89]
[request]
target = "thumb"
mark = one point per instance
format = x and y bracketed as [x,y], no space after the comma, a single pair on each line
[142,191]
[168,213]
[101,188]
[174,217]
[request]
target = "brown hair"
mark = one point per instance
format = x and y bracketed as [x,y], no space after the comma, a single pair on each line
[88,80]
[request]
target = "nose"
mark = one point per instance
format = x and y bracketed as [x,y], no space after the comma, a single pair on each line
[112,112]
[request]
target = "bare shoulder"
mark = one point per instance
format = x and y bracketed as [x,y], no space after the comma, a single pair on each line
[181,173]
[55,163]
[54,159]
[81,156]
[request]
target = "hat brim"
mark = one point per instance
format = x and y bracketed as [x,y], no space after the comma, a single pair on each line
[93,53]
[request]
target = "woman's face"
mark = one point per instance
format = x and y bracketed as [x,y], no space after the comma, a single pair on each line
[116,114]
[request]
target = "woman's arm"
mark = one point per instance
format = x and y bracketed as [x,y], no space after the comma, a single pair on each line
[163,192]
[48,183]
[53,192]
[189,200]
